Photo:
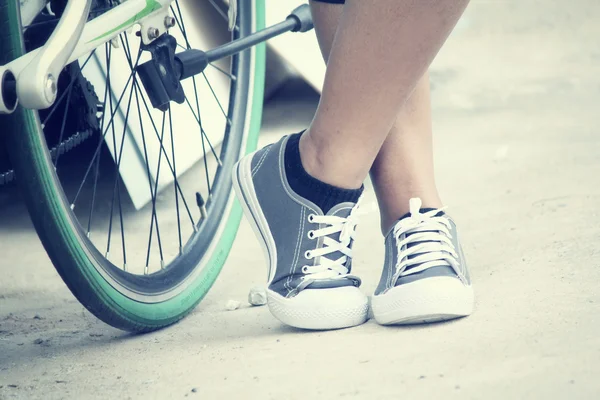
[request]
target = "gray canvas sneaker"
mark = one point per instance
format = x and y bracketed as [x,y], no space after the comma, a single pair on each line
[309,254]
[425,276]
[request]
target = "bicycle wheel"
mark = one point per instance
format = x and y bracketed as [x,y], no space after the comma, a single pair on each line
[138,253]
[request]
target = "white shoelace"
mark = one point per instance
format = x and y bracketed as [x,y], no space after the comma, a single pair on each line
[327,268]
[430,238]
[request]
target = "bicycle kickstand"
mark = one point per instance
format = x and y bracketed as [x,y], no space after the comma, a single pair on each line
[161,75]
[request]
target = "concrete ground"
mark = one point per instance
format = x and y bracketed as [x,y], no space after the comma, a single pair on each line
[515,94]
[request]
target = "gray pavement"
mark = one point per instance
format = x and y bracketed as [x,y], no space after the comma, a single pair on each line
[515,94]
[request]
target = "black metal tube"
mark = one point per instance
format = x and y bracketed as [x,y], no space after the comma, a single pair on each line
[244,43]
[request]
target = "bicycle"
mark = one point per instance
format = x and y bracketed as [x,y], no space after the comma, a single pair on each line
[134,289]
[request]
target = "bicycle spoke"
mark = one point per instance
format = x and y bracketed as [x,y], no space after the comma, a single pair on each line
[164,151]
[92,206]
[202,136]
[162,263]
[175,183]
[230,76]
[122,226]
[117,164]
[126,49]
[180,25]
[107,52]
[97,151]
[217,99]
[117,184]
[225,16]
[117,187]
[64,121]
[152,194]
[107,91]
[203,132]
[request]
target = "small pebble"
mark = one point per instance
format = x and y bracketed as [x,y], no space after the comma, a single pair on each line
[194,390]
[38,341]
[232,305]
[36,316]
[257,296]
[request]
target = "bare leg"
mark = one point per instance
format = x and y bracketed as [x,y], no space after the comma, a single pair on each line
[403,167]
[379,54]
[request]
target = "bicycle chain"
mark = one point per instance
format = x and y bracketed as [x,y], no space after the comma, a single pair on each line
[63,147]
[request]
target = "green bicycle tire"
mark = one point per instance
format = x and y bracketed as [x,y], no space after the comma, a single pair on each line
[56,224]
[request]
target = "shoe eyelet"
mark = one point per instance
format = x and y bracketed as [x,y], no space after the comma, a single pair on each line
[311,234]
[308,255]
[305,269]
[311,217]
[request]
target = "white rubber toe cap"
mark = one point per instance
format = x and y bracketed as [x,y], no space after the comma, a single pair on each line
[425,300]
[318,309]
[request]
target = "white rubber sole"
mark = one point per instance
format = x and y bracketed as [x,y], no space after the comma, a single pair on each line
[246,194]
[316,309]
[321,309]
[426,300]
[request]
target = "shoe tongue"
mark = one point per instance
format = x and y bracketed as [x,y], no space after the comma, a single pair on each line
[421,211]
[341,210]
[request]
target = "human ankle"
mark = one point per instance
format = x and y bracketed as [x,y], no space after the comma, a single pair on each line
[318,162]
[322,194]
